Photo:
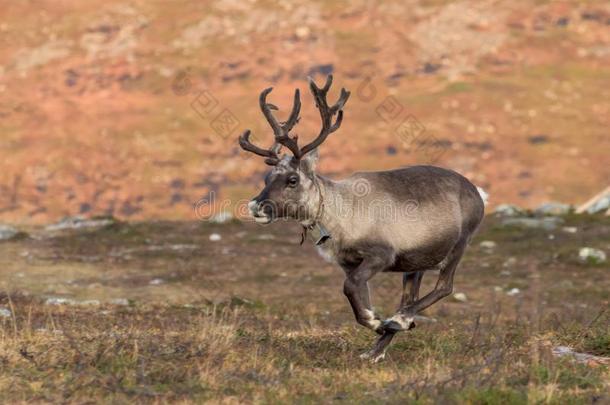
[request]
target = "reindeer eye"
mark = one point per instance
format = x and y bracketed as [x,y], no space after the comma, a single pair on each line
[293,181]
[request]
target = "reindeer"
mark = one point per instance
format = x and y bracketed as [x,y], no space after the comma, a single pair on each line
[433,214]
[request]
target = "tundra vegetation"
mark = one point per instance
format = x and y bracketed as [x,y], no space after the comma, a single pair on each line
[158,312]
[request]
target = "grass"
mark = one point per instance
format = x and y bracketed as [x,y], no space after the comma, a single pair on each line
[149,353]
[234,322]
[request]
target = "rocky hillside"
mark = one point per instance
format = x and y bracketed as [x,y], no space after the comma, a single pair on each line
[132,108]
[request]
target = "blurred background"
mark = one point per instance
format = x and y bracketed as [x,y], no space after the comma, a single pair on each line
[118,137]
[132,109]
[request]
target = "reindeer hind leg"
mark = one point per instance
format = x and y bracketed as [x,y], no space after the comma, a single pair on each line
[404,319]
[411,285]
[411,282]
[444,285]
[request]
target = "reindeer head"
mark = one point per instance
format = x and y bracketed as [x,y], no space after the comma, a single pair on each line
[291,188]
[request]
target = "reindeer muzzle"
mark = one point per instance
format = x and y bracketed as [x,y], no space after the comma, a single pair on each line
[257,211]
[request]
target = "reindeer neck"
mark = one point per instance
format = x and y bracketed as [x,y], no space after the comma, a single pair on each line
[329,217]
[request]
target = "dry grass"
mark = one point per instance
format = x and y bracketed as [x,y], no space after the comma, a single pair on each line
[296,341]
[160,353]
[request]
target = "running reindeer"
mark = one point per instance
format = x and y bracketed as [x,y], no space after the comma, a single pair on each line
[412,239]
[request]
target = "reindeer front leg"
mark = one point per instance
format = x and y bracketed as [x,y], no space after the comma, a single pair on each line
[359,270]
[356,290]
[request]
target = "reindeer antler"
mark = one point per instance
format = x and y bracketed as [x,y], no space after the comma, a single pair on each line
[282,130]
[270,154]
[326,113]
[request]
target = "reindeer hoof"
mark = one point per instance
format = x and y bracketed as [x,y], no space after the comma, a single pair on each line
[391,326]
[398,323]
[373,356]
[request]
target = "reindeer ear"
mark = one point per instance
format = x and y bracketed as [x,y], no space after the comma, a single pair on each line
[310,161]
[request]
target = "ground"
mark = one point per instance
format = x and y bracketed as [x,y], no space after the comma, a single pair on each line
[157,312]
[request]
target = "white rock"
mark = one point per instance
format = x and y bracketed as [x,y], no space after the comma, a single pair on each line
[570,229]
[460,297]
[181,247]
[215,237]
[156,281]
[601,205]
[591,255]
[222,218]
[7,232]
[488,244]
[5,313]
[59,301]
[79,222]
[119,301]
[562,351]
[546,223]
[553,208]
[507,210]
[70,301]
[90,302]
[513,291]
